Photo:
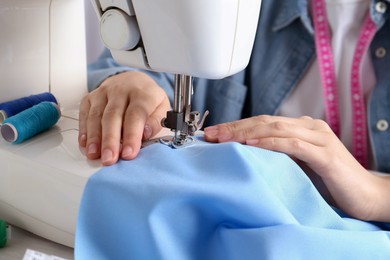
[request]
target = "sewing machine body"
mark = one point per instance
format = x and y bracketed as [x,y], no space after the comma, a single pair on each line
[41,180]
[201,38]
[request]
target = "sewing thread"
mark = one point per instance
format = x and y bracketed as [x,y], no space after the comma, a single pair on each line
[30,122]
[3,233]
[13,107]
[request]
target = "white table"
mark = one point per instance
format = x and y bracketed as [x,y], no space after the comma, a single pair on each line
[22,240]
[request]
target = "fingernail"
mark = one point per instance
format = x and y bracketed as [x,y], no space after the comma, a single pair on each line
[107,156]
[92,148]
[83,138]
[147,132]
[127,151]
[252,142]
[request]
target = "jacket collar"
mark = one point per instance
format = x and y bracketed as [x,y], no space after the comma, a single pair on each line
[290,11]
[298,9]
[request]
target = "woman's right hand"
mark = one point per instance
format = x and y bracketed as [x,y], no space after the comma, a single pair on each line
[124,110]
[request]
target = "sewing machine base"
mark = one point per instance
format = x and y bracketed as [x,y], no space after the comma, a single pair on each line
[42,182]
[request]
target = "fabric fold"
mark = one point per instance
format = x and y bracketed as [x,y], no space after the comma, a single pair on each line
[215,201]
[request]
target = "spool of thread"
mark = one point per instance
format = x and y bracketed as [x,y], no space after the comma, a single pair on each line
[30,122]
[13,107]
[3,233]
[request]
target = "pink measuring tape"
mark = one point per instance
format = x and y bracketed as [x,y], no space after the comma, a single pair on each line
[329,83]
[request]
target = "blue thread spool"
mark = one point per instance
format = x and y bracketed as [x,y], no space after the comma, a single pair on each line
[30,122]
[13,107]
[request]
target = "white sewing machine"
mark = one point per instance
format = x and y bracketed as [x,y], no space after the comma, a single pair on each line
[203,38]
[43,49]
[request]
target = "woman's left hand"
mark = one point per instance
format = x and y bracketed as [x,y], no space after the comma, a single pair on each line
[313,142]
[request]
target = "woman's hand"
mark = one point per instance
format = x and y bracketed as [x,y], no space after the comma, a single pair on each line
[124,110]
[356,191]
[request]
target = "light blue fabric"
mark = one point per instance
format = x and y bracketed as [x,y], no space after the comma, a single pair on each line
[215,201]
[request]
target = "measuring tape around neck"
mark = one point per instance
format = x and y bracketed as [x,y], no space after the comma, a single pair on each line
[329,82]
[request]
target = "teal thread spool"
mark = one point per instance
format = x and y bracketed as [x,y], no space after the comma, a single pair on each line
[30,122]
[3,233]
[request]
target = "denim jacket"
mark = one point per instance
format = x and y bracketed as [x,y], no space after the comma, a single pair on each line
[283,51]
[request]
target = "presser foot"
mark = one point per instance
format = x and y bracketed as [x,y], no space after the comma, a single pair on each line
[189,140]
[169,141]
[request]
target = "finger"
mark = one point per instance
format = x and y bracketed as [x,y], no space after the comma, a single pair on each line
[112,130]
[226,131]
[234,131]
[236,126]
[283,129]
[263,126]
[83,117]
[311,154]
[94,126]
[134,121]
[153,123]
